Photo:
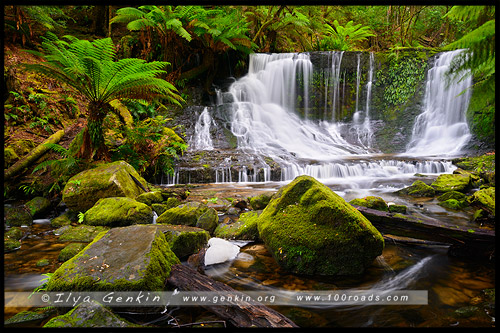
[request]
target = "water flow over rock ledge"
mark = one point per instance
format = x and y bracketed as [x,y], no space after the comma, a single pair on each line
[300,114]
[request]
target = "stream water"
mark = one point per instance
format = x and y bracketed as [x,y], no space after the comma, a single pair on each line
[265,121]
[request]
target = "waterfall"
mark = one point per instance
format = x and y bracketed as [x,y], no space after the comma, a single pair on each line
[202,139]
[363,129]
[286,119]
[441,129]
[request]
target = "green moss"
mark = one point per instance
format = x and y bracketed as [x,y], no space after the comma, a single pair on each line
[311,230]
[15,233]
[371,202]
[115,179]
[38,206]
[61,220]
[81,233]
[17,217]
[453,182]
[260,201]
[453,204]
[150,198]
[124,271]
[184,240]
[245,228]
[452,195]
[208,220]
[185,214]
[397,209]
[70,251]
[10,244]
[118,211]
[27,316]
[418,189]
[485,198]
[42,262]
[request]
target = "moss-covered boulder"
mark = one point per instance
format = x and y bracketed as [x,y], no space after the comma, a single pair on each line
[484,198]
[184,240]
[81,233]
[260,201]
[402,209]
[245,228]
[118,212]
[371,202]
[17,216]
[88,314]
[309,229]
[185,214]
[453,204]
[418,189]
[9,157]
[483,166]
[14,233]
[117,179]
[38,206]
[10,244]
[61,220]
[453,182]
[69,251]
[452,195]
[150,198]
[208,220]
[136,257]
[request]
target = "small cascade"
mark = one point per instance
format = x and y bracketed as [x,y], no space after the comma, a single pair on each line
[441,129]
[202,139]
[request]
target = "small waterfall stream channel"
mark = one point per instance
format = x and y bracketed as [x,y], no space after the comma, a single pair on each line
[318,114]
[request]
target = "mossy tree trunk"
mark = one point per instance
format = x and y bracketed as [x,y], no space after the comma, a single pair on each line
[34,155]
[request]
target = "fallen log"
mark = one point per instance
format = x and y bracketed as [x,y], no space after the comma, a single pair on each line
[240,314]
[474,241]
[33,155]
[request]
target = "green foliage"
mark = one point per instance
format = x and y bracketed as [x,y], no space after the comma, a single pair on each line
[90,69]
[401,79]
[43,286]
[81,217]
[343,38]
[150,146]
[478,60]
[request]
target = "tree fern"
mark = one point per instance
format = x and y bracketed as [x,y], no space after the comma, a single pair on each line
[91,70]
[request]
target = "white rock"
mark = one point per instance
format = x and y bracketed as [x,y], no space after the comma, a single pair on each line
[220,250]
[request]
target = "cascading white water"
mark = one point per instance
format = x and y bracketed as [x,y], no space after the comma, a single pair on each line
[269,112]
[441,129]
[363,129]
[202,139]
[265,123]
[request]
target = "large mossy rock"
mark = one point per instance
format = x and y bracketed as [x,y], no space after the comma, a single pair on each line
[117,179]
[309,229]
[484,198]
[453,182]
[184,240]
[38,206]
[243,229]
[150,198]
[191,214]
[418,189]
[17,216]
[118,212]
[89,314]
[371,202]
[131,258]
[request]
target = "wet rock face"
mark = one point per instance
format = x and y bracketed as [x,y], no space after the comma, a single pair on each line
[128,258]
[311,230]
